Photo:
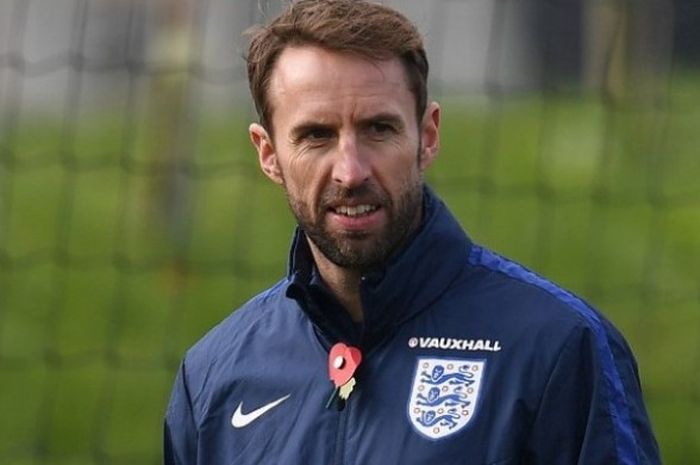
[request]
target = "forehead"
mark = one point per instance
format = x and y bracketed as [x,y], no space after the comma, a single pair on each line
[312,81]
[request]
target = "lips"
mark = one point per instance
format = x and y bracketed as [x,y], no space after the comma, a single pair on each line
[358,210]
[355,210]
[356,218]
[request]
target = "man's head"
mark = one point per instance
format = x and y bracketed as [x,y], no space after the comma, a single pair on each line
[356,27]
[348,145]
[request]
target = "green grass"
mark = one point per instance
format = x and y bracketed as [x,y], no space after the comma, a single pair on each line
[603,200]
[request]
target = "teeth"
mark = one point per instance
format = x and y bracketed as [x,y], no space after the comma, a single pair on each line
[356,210]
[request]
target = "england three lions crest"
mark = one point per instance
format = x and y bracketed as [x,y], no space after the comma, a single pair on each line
[444,395]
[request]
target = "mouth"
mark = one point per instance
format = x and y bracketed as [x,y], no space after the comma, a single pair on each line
[358,218]
[354,211]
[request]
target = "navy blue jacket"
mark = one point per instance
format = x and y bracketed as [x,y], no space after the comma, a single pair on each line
[469,358]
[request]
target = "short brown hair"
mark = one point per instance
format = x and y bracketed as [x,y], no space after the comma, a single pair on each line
[353,26]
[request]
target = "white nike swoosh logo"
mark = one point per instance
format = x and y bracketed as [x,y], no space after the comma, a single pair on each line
[240,419]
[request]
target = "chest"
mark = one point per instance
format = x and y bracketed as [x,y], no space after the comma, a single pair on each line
[425,395]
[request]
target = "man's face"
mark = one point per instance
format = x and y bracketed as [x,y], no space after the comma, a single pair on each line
[348,150]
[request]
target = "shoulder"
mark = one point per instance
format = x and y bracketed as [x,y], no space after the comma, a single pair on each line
[268,310]
[259,308]
[534,304]
[550,322]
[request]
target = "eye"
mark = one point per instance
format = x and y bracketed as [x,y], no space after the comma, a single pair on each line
[317,134]
[380,130]
[312,136]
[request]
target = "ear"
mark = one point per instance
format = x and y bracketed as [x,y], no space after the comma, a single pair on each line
[267,156]
[430,135]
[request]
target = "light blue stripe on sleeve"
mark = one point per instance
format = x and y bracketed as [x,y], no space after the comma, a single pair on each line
[625,440]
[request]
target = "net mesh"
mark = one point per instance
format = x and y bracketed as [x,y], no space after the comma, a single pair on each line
[133,216]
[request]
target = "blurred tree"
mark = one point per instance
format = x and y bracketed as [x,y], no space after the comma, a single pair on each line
[170,99]
[628,48]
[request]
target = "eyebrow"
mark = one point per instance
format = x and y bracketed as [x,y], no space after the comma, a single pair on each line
[302,128]
[386,117]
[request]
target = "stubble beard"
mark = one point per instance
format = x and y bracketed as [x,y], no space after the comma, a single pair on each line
[358,251]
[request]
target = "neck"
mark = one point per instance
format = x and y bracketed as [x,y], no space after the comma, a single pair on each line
[344,283]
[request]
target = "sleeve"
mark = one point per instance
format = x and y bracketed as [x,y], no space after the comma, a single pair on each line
[592,411]
[180,431]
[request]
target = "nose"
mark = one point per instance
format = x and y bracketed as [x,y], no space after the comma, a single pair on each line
[350,167]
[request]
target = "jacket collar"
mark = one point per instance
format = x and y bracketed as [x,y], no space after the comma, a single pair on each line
[410,282]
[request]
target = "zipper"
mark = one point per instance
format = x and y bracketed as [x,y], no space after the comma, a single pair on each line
[338,458]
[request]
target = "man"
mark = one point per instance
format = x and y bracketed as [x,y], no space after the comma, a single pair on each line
[393,339]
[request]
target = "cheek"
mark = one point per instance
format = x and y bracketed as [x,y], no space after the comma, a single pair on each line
[401,168]
[304,181]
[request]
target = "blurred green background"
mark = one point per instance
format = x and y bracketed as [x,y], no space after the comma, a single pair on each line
[133,216]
